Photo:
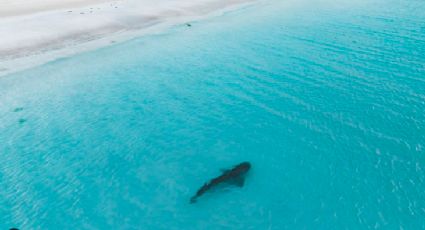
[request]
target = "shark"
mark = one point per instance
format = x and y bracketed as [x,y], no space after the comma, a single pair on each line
[235,176]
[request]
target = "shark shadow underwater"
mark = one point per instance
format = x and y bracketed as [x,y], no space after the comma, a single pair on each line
[235,176]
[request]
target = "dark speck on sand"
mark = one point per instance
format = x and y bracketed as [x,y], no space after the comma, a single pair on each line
[19,109]
[22,121]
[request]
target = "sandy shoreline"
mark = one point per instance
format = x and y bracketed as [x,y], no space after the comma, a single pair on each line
[9,8]
[46,30]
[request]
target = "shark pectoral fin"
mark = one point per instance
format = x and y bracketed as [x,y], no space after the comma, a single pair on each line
[239,181]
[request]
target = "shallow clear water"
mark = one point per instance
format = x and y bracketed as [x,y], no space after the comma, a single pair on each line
[325,99]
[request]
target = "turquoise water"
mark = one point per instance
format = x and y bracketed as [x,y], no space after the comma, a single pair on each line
[326,99]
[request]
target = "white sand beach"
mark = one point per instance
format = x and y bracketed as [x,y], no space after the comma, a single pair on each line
[35,27]
[21,7]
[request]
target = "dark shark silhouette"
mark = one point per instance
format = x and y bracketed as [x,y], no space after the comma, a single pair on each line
[236,176]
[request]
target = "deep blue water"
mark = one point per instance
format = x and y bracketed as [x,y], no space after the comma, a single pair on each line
[326,99]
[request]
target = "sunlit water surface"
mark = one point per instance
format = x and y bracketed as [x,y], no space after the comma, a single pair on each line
[326,99]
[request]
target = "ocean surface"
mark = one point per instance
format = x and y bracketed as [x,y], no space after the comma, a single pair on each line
[326,99]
